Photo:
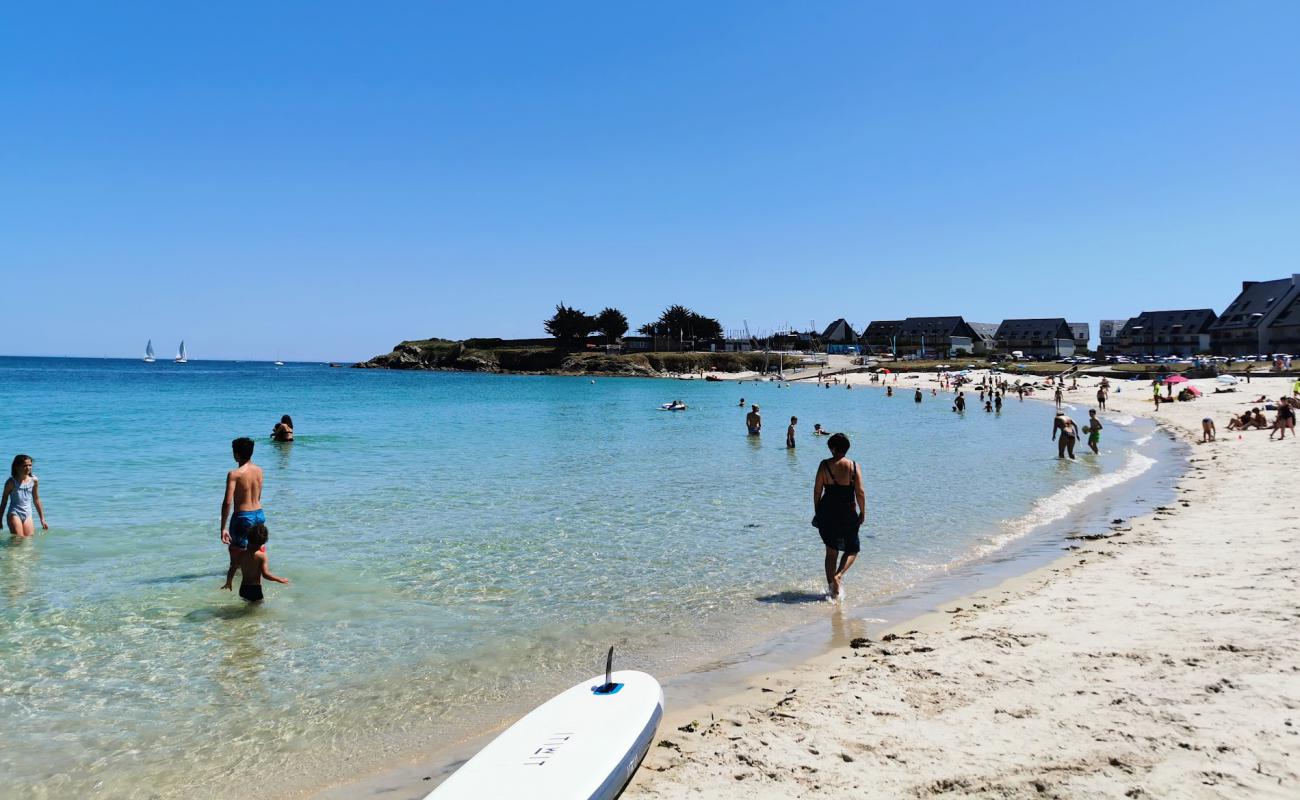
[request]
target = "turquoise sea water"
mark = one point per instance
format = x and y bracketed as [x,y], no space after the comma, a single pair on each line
[459,545]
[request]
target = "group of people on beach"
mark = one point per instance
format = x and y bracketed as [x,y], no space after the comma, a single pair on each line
[243,522]
[1255,418]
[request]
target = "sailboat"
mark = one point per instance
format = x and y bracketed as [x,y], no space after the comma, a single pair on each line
[180,354]
[148,353]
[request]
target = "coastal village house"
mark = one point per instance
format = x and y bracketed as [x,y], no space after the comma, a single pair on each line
[1082,334]
[939,337]
[1185,332]
[839,332]
[1108,335]
[1284,330]
[881,335]
[1036,338]
[1261,320]
[987,333]
[839,338]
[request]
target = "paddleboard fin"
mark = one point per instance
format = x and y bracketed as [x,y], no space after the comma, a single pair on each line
[609,686]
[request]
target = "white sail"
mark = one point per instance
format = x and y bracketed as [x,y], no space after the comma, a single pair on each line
[180,353]
[148,352]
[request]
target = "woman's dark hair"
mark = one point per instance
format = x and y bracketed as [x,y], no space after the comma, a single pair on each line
[243,448]
[287,420]
[838,443]
[17,465]
[257,536]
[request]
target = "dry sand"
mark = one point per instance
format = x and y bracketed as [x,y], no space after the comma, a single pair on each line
[1163,661]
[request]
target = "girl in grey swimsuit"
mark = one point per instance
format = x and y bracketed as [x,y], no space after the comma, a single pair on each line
[20,496]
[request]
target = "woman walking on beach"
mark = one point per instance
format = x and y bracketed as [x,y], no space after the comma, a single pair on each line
[839,510]
[20,496]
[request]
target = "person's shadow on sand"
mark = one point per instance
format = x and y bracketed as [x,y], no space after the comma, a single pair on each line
[793,597]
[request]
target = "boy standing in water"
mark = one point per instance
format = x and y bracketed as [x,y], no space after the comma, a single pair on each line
[244,496]
[1094,430]
[789,432]
[253,564]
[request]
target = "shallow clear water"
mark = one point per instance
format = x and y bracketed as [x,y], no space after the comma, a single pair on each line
[460,546]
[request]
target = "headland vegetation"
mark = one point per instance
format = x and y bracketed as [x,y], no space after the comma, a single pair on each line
[584,344]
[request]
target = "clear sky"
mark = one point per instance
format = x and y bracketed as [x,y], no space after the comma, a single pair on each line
[322,180]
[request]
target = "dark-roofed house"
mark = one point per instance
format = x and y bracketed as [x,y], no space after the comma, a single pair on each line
[1284,330]
[1185,332]
[987,333]
[1038,338]
[879,337]
[839,332]
[1082,334]
[1246,326]
[1108,335]
[936,336]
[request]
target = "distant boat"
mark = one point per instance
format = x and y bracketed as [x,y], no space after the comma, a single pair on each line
[279,363]
[180,354]
[148,353]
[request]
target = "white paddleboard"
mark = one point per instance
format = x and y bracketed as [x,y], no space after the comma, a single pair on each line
[579,745]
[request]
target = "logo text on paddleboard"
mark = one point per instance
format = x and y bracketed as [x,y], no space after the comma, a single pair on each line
[548,749]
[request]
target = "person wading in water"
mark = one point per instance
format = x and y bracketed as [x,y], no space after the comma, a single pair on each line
[839,510]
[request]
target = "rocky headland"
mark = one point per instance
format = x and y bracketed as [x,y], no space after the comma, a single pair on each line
[529,358]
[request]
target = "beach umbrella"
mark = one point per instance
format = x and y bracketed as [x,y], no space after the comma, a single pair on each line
[882,369]
[1175,379]
[1194,391]
[1228,380]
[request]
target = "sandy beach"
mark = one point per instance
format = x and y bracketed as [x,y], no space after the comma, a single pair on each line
[1162,660]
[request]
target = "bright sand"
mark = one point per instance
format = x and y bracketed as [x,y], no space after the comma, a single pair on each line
[1163,661]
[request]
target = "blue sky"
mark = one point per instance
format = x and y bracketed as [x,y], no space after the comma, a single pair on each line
[322,180]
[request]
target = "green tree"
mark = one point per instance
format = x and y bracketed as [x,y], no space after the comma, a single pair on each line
[569,325]
[612,323]
[681,324]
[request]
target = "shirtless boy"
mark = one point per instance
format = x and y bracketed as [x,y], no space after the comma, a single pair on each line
[252,562]
[789,432]
[244,497]
[754,421]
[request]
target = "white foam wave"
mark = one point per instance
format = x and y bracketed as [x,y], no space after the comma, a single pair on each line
[1121,419]
[1056,506]
[1141,440]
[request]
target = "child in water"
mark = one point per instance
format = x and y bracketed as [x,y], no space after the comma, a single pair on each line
[253,567]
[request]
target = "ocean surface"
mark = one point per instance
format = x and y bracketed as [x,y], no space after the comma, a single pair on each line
[460,546]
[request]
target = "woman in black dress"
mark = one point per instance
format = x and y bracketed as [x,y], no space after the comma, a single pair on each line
[839,509]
